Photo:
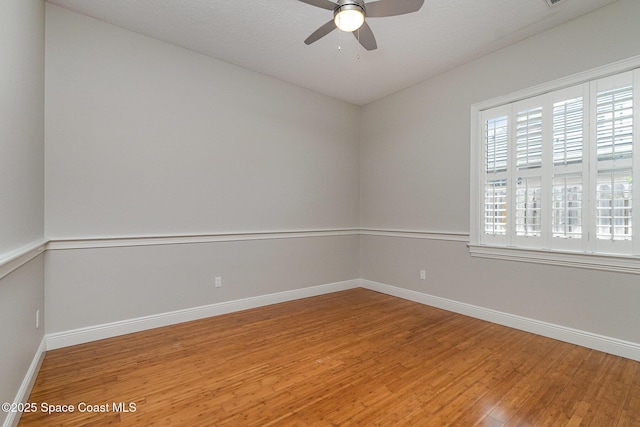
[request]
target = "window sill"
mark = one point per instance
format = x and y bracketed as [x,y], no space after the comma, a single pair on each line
[615,263]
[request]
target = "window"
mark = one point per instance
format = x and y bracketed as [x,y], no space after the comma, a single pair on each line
[553,171]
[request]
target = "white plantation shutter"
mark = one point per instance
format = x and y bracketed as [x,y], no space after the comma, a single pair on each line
[529,138]
[568,134]
[614,205]
[567,206]
[495,137]
[613,173]
[495,207]
[529,206]
[528,157]
[558,169]
[614,109]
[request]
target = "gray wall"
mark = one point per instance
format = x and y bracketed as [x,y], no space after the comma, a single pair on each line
[415,176]
[21,186]
[89,287]
[146,138]
[149,139]
[21,123]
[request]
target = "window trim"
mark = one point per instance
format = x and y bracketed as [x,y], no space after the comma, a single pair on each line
[573,258]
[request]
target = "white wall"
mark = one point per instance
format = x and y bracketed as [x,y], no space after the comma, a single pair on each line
[415,176]
[21,187]
[149,139]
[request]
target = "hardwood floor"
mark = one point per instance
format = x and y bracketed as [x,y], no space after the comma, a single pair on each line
[356,358]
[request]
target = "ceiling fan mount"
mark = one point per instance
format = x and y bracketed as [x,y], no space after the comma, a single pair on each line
[349,16]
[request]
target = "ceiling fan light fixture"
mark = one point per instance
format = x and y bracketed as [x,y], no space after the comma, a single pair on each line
[349,17]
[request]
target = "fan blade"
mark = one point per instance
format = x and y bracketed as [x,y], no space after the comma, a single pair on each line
[321,32]
[324,4]
[383,8]
[365,37]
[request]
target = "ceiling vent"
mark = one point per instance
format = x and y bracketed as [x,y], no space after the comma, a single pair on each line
[551,3]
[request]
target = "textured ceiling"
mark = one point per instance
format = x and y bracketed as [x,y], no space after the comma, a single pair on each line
[267,36]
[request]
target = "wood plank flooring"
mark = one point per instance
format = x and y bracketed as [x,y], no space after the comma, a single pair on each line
[352,358]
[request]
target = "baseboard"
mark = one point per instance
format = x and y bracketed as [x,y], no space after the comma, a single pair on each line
[629,350]
[27,384]
[108,330]
[606,344]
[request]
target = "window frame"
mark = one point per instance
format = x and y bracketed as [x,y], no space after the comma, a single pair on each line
[577,254]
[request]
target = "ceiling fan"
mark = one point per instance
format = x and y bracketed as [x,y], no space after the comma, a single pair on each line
[349,16]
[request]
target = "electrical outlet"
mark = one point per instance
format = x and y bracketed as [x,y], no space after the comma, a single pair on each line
[37,319]
[423,275]
[218,282]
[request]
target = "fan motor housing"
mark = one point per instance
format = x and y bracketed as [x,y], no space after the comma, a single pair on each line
[350,5]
